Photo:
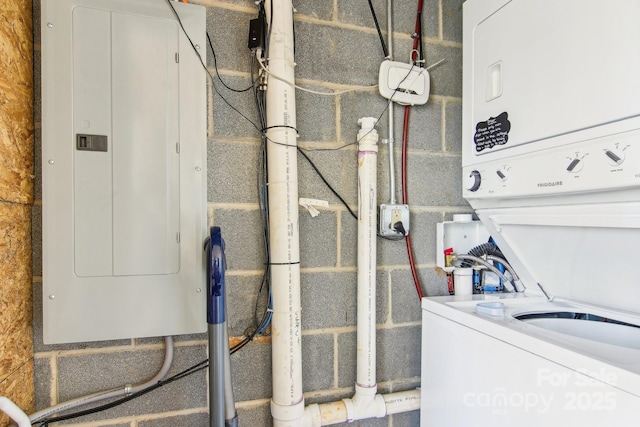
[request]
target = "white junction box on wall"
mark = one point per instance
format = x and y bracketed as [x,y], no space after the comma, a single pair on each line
[124,169]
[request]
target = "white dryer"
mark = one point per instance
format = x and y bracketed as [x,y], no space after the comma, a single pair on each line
[551,164]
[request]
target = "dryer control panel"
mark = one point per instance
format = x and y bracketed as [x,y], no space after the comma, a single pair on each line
[612,162]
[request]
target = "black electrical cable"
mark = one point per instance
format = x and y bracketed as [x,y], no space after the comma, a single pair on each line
[327,183]
[215,88]
[375,21]
[260,324]
[215,65]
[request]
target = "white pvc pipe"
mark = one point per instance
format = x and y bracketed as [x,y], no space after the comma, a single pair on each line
[365,403]
[338,412]
[287,403]
[108,394]
[14,412]
[402,401]
[367,199]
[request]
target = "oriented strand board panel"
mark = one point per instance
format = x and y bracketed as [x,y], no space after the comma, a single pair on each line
[16,338]
[19,387]
[16,101]
[16,196]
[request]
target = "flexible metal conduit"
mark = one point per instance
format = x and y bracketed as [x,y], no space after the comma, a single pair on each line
[108,394]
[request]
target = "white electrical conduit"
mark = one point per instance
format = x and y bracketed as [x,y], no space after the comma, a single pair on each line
[391,112]
[14,412]
[287,403]
[108,394]
[366,403]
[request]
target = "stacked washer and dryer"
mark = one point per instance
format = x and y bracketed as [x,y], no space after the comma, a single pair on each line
[551,165]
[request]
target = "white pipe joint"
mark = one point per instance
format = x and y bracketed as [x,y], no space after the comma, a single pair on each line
[287,415]
[366,403]
[14,412]
[367,133]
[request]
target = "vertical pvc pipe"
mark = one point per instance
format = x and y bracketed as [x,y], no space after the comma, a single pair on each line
[287,404]
[366,328]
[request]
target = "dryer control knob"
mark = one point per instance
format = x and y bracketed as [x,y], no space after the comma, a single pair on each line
[575,165]
[614,156]
[472,181]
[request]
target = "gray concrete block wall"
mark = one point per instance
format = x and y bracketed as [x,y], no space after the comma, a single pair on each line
[336,46]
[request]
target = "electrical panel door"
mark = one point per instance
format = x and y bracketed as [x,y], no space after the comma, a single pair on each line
[124,169]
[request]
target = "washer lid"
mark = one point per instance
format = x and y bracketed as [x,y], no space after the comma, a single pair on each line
[583,252]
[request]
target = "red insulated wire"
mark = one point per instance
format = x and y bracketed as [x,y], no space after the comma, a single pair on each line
[405,140]
[405,199]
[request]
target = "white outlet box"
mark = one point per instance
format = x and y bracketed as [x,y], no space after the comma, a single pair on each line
[390,215]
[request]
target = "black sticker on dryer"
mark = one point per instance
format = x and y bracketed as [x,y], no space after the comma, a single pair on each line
[494,131]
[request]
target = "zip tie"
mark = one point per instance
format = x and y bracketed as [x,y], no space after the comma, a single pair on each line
[309,205]
[436,64]
[279,126]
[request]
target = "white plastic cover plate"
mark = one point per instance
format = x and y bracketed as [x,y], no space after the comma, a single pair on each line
[403,83]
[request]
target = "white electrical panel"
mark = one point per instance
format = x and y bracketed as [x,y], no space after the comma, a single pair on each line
[124,169]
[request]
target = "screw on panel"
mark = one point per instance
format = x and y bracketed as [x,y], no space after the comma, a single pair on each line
[49,25]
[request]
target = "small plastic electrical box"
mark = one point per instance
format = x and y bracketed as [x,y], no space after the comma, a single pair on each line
[256,34]
[403,83]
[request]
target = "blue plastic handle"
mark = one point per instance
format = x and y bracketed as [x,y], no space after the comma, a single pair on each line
[215,277]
